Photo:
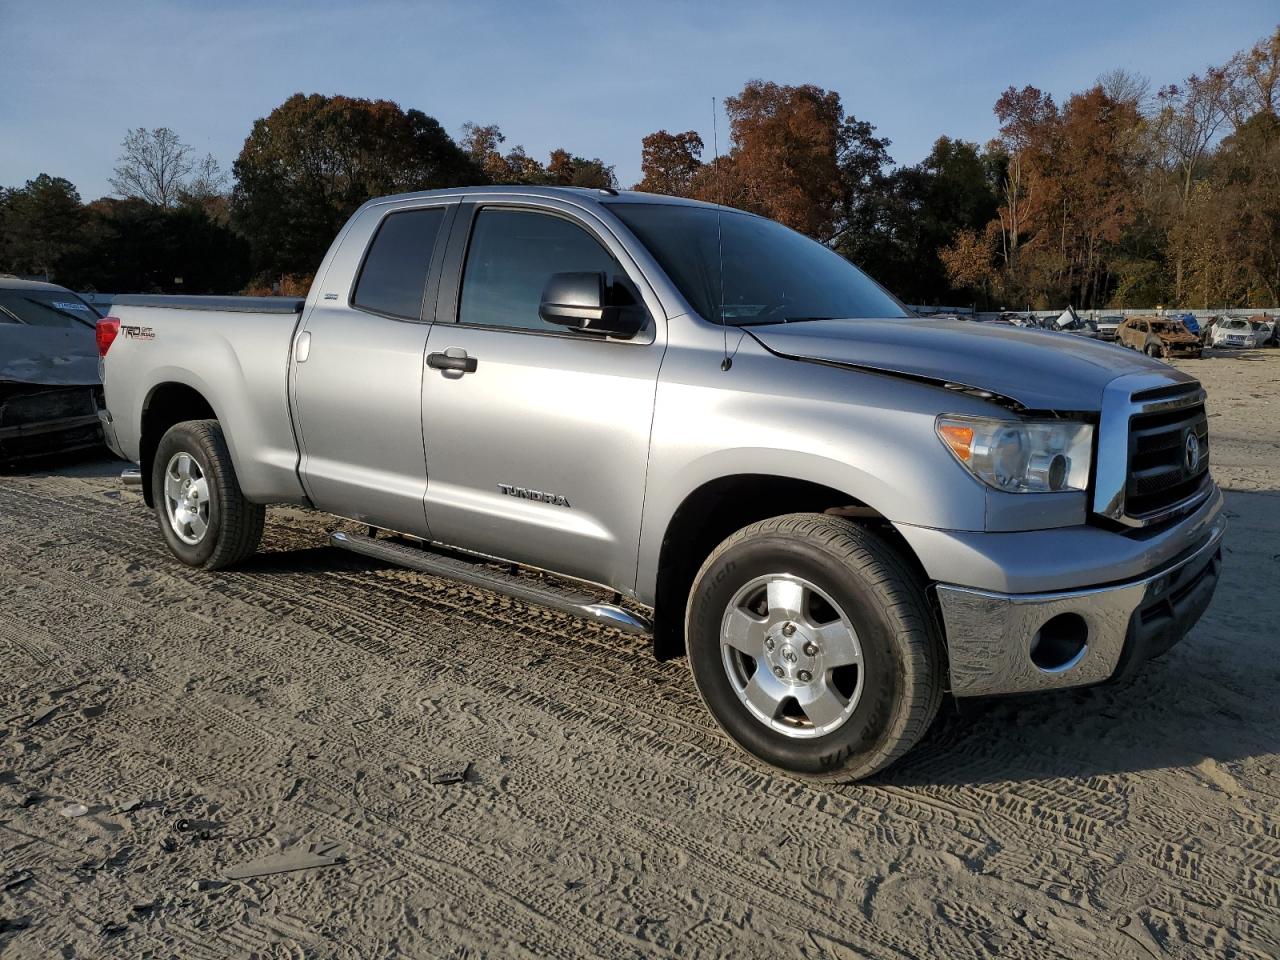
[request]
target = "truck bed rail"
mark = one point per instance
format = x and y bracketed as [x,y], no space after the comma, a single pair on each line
[234,304]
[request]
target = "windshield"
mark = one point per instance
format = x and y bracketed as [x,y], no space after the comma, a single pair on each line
[45,308]
[1235,325]
[771,274]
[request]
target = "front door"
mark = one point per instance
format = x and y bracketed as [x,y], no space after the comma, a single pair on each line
[357,376]
[538,453]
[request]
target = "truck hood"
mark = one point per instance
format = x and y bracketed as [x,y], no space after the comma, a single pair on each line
[1036,369]
[48,356]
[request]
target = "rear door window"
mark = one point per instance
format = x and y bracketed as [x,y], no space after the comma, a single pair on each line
[394,276]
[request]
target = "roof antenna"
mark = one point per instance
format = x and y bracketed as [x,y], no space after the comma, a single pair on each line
[727,362]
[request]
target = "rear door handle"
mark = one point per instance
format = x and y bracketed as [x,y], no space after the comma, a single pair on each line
[454,358]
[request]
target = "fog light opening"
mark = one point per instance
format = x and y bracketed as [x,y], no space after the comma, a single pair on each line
[1060,643]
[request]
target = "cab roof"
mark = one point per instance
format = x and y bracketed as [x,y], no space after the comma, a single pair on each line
[596,194]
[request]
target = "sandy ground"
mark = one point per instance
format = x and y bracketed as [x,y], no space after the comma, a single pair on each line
[207,720]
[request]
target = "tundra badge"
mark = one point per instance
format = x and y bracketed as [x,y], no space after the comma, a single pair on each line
[524,493]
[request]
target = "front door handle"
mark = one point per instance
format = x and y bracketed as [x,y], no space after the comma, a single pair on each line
[455,359]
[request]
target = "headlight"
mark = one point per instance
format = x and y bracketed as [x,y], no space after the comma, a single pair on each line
[1021,456]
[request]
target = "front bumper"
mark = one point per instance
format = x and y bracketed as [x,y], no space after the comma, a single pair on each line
[1001,643]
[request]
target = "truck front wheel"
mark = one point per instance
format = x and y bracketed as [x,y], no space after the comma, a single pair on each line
[813,646]
[203,515]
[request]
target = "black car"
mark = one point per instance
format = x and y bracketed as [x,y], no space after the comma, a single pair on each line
[50,389]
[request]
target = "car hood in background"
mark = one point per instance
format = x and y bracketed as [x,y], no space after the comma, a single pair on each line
[49,356]
[1038,369]
[1177,336]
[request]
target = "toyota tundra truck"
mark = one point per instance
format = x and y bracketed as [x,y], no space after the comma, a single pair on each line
[692,423]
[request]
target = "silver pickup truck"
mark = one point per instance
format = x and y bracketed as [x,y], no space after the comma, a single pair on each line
[695,424]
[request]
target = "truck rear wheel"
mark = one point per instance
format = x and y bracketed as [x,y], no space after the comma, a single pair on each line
[813,646]
[204,517]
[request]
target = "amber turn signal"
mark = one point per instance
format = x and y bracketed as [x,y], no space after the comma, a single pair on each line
[959,438]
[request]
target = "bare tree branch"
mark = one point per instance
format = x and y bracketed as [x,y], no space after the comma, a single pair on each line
[153,167]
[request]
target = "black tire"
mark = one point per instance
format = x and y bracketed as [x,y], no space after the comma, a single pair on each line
[234,524]
[885,602]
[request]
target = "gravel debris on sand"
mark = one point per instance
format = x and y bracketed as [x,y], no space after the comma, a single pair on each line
[287,704]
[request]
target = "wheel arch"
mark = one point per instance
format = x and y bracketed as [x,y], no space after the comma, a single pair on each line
[167,403]
[718,508]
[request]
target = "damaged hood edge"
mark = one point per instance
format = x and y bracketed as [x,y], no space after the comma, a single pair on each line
[955,385]
[1026,370]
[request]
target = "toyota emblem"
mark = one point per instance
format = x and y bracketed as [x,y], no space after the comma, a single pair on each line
[1191,452]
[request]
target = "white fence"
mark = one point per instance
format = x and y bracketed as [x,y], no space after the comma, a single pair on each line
[1096,314]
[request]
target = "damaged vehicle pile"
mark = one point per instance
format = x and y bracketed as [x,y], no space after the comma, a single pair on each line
[50,391]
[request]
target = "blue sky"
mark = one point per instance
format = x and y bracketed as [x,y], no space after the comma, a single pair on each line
[593,77]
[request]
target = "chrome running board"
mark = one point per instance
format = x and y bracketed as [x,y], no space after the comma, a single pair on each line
[485,576]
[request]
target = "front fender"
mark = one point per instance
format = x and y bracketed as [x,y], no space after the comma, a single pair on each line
[869,436]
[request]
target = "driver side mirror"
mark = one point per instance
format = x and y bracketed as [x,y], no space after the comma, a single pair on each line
[580,301]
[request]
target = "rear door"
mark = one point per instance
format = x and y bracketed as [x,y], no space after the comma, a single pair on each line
[539,453]
[358,364]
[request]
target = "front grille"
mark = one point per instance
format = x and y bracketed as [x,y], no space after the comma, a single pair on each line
[1160,474]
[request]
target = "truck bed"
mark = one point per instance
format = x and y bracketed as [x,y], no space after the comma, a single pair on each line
[231,351]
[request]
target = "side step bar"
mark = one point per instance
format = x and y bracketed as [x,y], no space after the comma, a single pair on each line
[486,577]
[131,477]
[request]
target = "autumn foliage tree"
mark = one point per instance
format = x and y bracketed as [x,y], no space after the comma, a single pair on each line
[483,143]
[1111,196]
[792,155]
[669,162]
[797,158]
[313,160]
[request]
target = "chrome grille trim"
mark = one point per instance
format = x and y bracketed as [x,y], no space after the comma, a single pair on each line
[1112,469]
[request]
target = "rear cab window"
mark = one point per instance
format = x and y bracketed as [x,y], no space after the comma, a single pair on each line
[393,278]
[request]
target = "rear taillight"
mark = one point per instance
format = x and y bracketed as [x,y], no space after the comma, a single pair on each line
[108,328]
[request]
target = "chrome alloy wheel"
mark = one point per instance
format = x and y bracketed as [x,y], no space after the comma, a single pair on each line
[186,498]
[792,656]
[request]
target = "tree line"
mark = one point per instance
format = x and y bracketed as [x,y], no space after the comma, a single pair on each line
[1118,196]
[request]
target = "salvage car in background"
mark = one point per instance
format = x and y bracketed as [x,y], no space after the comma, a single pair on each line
[1108,325]
[1158,337]
[1265,331]
[1233,332]
[50,390]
